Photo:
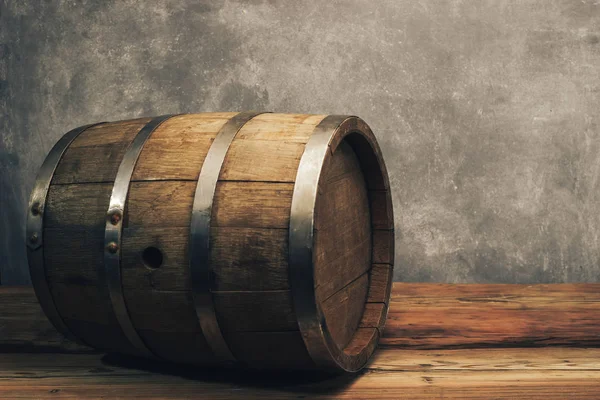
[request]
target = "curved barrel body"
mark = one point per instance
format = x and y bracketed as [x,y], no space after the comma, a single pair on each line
[257,240]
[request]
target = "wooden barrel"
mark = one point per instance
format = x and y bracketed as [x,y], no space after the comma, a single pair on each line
[240,239]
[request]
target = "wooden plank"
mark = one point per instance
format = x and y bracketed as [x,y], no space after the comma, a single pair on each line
[242,259]
[77,205]
[373,315]
[177,148]
[394,373]
[115,132]
[446,385]
[262,161]
[489,359]
[162,311]
[159,203]
[379,290]
[385,359]
[249,258]
[336,269]
[444,315]
[392,386]
[363,341]
[342,244]
[252,204]
[383,246]
[380,212]
[24,327]
[344,309]
[420,315]
[268,148]
[291,128]
[172,274]
[95,155]
[269,311]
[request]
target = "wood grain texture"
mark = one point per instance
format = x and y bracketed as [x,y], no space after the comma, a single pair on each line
[410,375]
[177,148]
[262,161]
[380,215]
[383,246]
[95,155]
[241,258]
[395,372]
[162,203]
[25,328]
[379,289]
[373,315]
[342,244]
[420,316]
[77,205]
[343,310]
[252,204]
[268,148]
[172,275]
[443,315]
[291,128]
[249,258]
[73,258]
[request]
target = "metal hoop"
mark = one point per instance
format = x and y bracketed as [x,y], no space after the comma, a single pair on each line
[113,233]
[199,242]
[35,230]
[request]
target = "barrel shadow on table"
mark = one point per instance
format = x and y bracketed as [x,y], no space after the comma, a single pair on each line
[302,381]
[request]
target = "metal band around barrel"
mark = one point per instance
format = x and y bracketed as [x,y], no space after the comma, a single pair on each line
[35,230]
[113,233]
[300,255]
[199,247]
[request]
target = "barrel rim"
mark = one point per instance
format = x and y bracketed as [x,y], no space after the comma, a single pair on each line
[325,139]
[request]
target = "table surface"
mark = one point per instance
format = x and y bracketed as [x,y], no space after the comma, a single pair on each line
[441,341]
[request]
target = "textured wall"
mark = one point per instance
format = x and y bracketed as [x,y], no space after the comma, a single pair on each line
[487,111]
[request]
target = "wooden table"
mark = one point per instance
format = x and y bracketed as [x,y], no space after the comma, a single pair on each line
[441,342]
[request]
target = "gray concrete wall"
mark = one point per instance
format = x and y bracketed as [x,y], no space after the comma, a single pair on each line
[487,111]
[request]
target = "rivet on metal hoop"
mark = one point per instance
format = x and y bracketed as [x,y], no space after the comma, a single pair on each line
[35,209]
[35,230]
[115,218]
[112,247]
[33,238]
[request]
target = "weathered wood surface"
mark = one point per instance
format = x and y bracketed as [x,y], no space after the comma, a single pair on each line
[548,374]
[342,252]
[419,358]
[426,316]
[443,315]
